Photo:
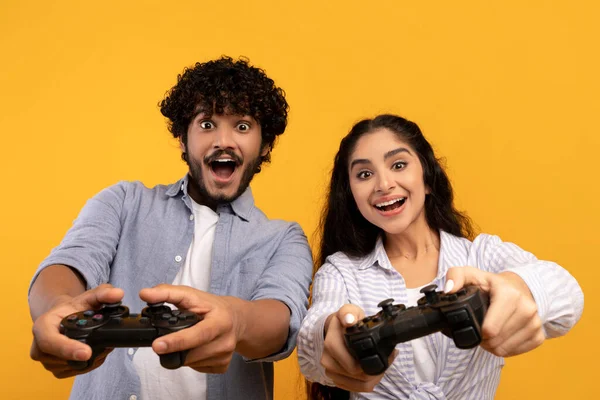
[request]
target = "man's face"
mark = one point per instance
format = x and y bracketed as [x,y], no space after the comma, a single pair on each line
[223,153]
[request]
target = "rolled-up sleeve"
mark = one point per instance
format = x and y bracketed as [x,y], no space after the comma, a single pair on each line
[329,294]
[287,278]
[91,243]
[557,293]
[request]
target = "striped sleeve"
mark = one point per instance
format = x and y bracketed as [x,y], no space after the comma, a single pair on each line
[558,296]
[329,294]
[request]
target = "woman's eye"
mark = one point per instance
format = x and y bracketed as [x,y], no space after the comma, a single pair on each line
[364,174]
[206,125]
[243,127]
[399,165]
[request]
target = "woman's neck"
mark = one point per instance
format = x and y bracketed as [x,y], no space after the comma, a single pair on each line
[418,241]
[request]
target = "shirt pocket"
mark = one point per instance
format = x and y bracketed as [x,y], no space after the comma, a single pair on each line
[245,279]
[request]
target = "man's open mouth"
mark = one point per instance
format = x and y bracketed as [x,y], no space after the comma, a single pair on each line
[224,167]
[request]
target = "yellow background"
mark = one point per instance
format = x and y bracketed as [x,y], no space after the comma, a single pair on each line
[506,91]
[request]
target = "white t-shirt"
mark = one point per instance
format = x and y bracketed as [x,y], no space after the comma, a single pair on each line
[182,383]
[422,355]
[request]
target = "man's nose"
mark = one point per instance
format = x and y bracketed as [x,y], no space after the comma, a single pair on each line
[224,138]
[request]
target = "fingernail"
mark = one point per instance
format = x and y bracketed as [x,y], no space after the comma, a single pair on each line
[349,318]
[160,347]
[449,285]
[80,355]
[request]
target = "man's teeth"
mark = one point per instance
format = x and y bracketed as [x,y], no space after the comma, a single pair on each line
[389,203]
[224,160]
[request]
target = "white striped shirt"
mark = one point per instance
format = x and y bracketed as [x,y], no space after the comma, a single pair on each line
[459,374]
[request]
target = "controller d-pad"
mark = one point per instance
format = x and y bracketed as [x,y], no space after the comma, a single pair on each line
[467,337]
[458,316]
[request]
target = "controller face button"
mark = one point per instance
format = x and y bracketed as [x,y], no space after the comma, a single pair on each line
[165,316]
[82,322]
[176,312]
[72,318]
[89,313]
[98,317]
[466,337]
[457,316]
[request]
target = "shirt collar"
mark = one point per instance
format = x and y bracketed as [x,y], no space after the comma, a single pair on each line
[242,206]
[378,257]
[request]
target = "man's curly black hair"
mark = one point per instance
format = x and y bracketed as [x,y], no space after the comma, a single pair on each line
[228,86]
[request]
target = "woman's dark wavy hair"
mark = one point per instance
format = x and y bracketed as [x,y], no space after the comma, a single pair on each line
[342,226]
[226,85]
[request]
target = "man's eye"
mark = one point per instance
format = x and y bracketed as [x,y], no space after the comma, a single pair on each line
[243,127]
[364,174]
[206,125]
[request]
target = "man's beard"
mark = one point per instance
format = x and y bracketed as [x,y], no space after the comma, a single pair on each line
[211,200]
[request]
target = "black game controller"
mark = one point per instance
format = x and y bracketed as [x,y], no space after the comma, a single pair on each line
[113,326]
[458,316]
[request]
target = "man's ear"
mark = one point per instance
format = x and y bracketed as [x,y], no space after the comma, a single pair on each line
[181,145]
[265,150]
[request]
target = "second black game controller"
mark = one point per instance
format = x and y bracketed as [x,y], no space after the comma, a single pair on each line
[113,326]
[458,316]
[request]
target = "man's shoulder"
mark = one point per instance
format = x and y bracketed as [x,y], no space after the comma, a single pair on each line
[138,189]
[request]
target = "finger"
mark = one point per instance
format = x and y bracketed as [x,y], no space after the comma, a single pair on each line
[181,296]
[217,363]
[523,312]
[350,314]
[50,342]
[347,367]
[354,385]
[526,339]
[335,348]
[219,349]
[95,298]
[203,333]
[458,277]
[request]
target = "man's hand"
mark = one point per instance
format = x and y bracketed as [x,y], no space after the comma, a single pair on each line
[512,325]
[212,341]
[52,348]
[340,366]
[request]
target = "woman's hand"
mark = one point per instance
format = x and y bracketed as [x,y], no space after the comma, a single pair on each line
[339,364]
[512,325]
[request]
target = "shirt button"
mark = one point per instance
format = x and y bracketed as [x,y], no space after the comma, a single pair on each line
[133,397]
[130,352]
[191,217]
[178,258]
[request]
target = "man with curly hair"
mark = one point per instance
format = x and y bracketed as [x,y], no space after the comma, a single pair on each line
[199,244]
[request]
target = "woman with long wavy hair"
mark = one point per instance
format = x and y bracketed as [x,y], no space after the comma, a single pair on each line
[389,229]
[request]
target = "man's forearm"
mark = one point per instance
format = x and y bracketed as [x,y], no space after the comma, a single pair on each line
[53,284]
[263,326]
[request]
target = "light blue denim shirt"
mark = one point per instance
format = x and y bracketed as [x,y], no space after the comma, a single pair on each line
[136,237]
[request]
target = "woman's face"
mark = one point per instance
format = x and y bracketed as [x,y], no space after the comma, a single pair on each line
[386,179]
